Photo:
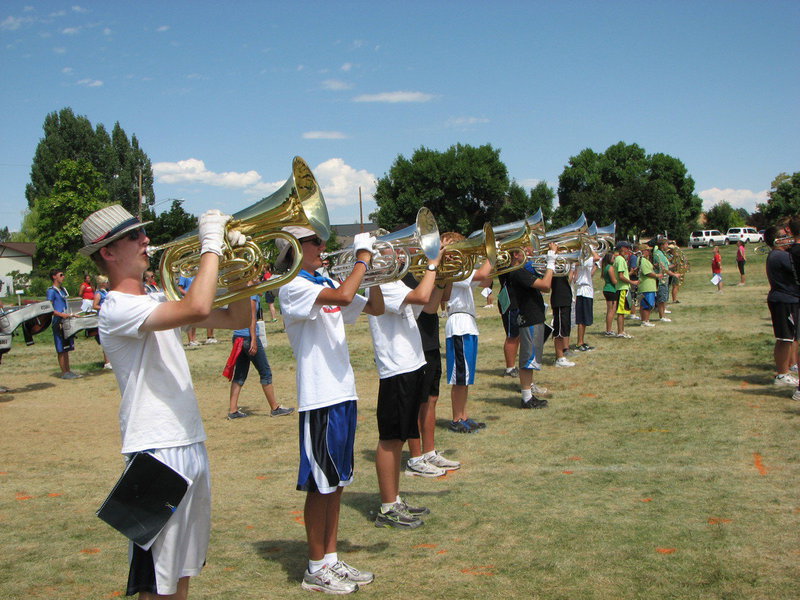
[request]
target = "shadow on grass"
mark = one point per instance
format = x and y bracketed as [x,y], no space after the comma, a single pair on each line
[292,554]
[31,387]
[368,503]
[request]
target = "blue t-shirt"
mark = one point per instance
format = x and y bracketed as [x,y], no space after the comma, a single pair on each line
[245,333]
[59,300]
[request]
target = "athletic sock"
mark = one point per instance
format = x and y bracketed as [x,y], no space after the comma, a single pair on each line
[331,559]
[526,394]
[316,565]
[387,507]
[430,454]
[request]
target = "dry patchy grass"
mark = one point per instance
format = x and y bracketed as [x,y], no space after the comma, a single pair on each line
[666,467]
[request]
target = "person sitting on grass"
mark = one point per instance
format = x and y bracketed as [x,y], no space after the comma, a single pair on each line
[315,310]
[141,333]
[251,350]
[461,345]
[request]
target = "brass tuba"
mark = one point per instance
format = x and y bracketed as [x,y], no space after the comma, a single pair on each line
[602,239]
[393,253]
[459,259]
[298,202]
[570,240]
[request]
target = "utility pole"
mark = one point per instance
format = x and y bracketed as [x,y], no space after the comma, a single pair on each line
[139,171]
[360,210]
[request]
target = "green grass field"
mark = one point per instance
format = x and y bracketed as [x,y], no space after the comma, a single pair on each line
[667,466]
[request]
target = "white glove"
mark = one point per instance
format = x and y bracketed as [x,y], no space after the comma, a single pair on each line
[211,231]
[363,241]
[551,260]
[236,238]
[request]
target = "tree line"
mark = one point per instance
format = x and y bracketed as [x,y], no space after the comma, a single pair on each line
[78,168]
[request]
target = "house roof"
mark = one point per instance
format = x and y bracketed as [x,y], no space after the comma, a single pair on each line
[27,248]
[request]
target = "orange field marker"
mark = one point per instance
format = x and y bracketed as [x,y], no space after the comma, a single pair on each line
[482,570]
[759,465]
[666,550]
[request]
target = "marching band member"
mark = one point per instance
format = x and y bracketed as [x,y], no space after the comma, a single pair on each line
[159,414]
[58,295]
[315,310]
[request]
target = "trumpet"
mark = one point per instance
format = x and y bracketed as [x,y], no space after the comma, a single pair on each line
[393,253]
[298,202]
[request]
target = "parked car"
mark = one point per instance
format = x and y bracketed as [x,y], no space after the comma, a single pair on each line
[745,234]
[706,237]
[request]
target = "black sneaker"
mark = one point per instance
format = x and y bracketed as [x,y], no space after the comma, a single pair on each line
[585,348]
[399,518]
[414,511]
[474,425]
[237,415]
[458,427]
[534,402]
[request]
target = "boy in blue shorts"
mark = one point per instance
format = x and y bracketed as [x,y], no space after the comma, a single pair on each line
[57,295]
[648,286]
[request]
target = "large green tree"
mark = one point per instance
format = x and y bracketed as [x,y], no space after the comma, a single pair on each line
[78,192]
[118,160]
[783,199]
[641,192]
[170,224]
[723,216]
[463,186]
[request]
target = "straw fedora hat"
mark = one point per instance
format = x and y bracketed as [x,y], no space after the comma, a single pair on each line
[105,226]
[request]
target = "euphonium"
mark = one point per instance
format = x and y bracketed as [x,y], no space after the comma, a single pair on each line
[298,202]
[393,253]
[602,239]
[459,259]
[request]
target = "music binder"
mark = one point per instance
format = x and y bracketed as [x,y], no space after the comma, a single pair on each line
[143,499]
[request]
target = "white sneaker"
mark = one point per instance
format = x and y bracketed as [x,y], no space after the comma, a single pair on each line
[793,368]
[563,362]
[538,390]
[212,341]
[345,571]
[108,367]
[665,320]
[421,468]
[194,343]
[437,460]
[796,395]
[329,581]
[635,317]
[625,335]
[786,379]
[667,312]
[647,324]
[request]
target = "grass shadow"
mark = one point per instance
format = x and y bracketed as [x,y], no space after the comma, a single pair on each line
[292,554]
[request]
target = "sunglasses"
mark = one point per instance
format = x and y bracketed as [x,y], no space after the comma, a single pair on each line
[134,234]
[313,239]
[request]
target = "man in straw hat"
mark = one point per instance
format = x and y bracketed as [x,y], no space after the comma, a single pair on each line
[141,334]
[315,310]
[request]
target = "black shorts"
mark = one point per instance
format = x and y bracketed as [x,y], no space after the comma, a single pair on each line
[740,264]
[784,320]
[584,310]
[510,323]
[562,321]
[610,296]
[433,374]
[399,397]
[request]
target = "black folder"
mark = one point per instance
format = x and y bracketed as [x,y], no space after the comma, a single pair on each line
[143,499]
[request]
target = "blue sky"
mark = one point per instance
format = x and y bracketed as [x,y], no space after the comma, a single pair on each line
[222,95]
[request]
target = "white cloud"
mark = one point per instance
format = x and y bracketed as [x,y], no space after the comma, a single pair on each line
[106,31]
[746,199]
[338,180]
[462,122]
[163,28]
[11,23]
[194,170]
[66,70]
[336,85]
[324,135]
[529,183]
[79,9]
[90,82]
[60,50]
[346,67]
[395,97]
[71,30]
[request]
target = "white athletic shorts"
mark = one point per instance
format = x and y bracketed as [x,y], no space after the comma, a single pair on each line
[180,549]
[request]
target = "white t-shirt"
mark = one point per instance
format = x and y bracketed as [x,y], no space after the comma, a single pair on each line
[583,282]
[395,335]
[316,334]
[461,309]
[159,408]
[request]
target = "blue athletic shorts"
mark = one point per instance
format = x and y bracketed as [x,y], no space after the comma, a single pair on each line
[647,300]
[327,437]
[462,356]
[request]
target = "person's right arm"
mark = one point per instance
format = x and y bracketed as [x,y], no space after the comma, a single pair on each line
[344,294]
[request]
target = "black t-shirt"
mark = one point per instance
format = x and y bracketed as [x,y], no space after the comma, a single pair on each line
[560,292]
[782,279]
[512,303]
[428,323]
[794,252]
[528,300]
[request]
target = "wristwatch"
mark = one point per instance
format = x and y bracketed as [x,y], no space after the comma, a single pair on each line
[431,267]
